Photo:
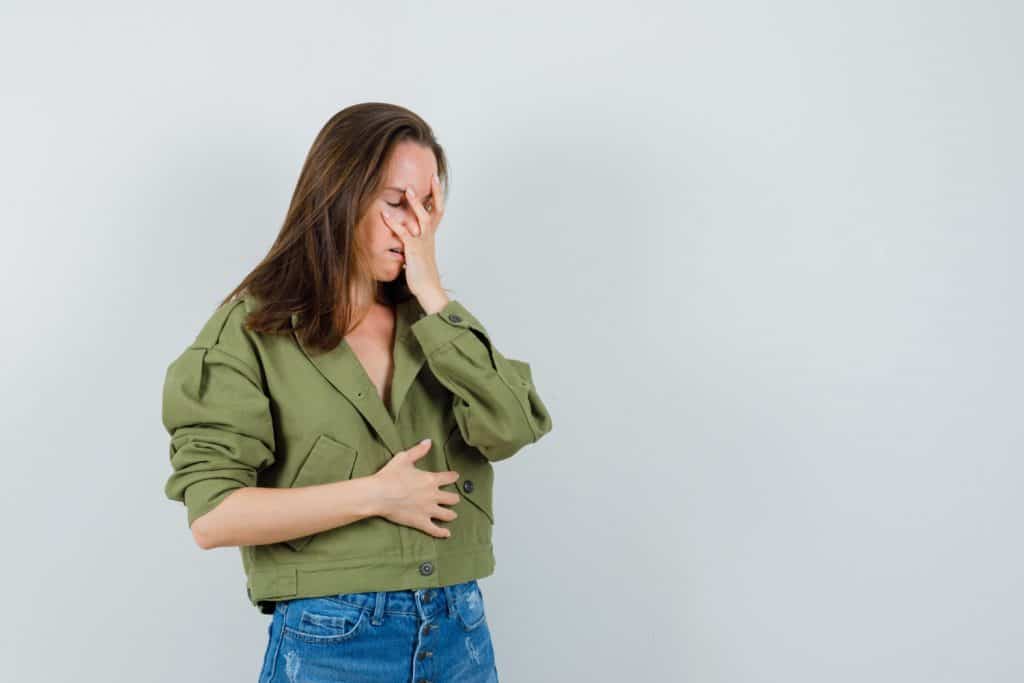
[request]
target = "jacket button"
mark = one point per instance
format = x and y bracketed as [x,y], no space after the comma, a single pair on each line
[455,317]
[467,486]
[427,568]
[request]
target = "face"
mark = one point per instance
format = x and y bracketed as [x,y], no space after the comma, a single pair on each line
[410,165]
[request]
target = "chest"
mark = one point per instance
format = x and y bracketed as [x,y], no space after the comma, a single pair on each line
[373,392]
[372,343]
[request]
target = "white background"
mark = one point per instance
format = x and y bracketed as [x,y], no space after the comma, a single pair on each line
[762,259]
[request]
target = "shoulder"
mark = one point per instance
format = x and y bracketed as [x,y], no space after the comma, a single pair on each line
[225,331]
[226,324]
[220,371]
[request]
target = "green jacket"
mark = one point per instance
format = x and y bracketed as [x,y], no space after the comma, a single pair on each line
[249,409]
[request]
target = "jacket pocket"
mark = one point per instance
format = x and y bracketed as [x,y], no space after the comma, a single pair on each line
[328,461]
[476,475]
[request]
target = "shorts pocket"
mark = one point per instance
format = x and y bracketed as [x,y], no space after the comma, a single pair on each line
[469,605]
[273,645]
[324,620]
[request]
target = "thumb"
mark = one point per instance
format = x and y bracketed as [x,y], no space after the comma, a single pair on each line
[419,450]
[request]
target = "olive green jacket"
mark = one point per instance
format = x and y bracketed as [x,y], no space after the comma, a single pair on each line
[250,409]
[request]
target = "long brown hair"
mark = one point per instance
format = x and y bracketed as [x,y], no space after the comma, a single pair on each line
[318,257]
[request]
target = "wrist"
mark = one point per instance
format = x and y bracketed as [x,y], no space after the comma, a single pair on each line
[433,301]
[372,496]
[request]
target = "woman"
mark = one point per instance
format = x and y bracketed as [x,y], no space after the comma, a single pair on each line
[337,418]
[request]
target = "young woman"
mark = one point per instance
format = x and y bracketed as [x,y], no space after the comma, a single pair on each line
[338,416]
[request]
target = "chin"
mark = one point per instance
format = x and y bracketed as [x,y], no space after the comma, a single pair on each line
[389,275]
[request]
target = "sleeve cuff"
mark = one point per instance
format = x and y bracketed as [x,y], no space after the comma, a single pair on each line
[437,329]
[204,495]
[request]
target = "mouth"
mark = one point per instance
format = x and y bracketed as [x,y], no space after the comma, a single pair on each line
[398,253]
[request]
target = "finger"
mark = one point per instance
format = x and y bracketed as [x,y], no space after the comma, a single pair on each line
[449,498]
[435,530]
[448,477]
[422,217]
[397,227]
[447,514]
[438,201]
[419,450]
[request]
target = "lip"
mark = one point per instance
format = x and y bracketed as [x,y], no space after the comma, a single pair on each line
[400,257]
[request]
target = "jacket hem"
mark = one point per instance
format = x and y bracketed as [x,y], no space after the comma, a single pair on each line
[267,585]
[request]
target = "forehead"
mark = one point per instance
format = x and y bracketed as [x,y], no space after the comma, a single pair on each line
[410,164]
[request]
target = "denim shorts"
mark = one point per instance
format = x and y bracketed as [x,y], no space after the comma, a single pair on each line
[428,635]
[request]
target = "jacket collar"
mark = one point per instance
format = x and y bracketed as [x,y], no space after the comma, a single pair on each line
[342,368]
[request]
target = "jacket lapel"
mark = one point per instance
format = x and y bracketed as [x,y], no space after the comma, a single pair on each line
[341,367]
[408,356]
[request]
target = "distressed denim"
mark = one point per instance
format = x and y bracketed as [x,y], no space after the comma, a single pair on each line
[429,635]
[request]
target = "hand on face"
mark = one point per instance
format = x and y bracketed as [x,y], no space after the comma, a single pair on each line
[417,237]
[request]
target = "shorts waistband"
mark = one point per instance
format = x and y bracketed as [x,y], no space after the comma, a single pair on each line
[422,602]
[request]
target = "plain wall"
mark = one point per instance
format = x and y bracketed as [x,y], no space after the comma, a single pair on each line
[763,259]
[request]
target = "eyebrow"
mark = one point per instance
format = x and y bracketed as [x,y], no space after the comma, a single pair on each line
[402,191]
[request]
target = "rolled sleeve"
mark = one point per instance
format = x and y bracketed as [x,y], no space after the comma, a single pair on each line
[218,417]
[495,401]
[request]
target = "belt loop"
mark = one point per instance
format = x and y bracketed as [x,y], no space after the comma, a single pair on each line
[449,597]
[378,608]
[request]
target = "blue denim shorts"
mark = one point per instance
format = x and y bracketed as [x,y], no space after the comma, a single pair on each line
[435,635]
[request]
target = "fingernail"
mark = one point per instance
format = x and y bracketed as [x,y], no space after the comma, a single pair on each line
[427,440]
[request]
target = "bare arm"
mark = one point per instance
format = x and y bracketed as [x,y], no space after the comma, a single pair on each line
[217,413]
[256,515]
[399,491]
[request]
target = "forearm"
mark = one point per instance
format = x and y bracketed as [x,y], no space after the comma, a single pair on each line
[495,402]
[254,515]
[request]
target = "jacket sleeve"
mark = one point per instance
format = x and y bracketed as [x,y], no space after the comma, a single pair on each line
[496,404]
[217,415]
